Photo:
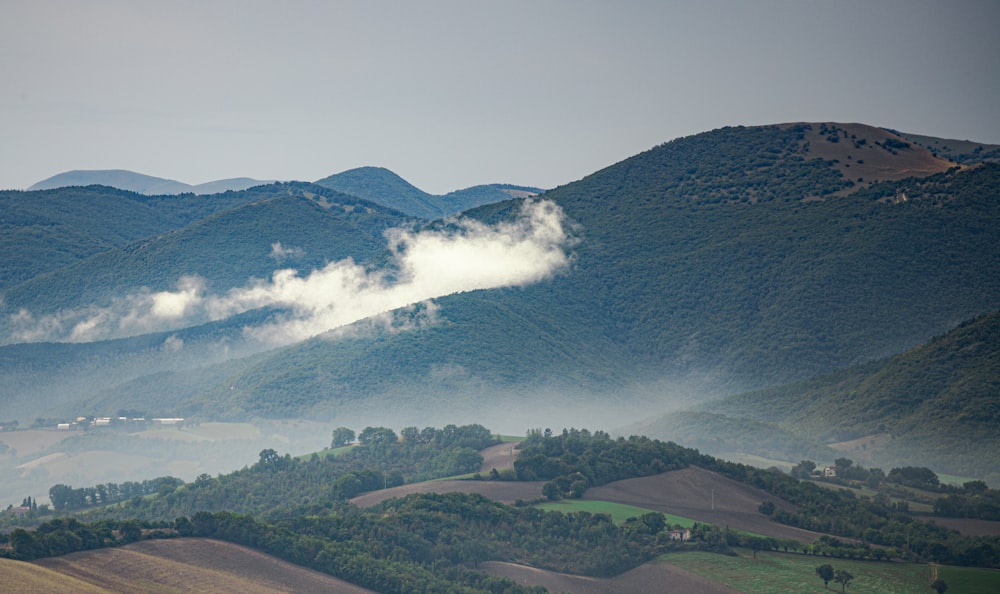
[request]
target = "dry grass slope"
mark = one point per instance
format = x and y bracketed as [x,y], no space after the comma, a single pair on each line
[182,565]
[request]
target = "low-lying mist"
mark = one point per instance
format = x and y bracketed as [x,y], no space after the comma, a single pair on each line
[204,445]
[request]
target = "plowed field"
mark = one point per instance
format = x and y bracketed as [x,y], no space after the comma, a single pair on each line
[192,565]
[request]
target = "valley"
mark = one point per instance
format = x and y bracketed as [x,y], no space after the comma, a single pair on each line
[795,325]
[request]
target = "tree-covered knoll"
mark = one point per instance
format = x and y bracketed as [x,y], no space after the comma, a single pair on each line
[577,459]
[278,482]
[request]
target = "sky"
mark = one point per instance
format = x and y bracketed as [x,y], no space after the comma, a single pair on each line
[450,94]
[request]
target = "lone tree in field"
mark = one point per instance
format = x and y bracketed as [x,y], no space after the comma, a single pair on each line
[939,586]
[843,577]
[825,573]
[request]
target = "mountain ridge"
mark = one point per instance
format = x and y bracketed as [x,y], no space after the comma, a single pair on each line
[385,187]
[140,183]
[736,259]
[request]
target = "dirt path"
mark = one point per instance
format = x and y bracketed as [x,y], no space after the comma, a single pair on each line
[655,576]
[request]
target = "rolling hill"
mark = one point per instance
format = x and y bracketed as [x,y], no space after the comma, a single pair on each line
[176,565]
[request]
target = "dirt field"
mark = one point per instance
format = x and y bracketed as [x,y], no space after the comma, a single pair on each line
[704,496]
[502,491]
[656,576]
[500,456]
[27,578]
[969,526]
[193,565]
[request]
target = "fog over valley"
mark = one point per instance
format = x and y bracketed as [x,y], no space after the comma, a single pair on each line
[516,297]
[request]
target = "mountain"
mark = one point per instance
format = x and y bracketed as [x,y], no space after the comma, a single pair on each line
[142,184]
[385,187]
[936,403]
[45,230]
[297,225]
[728,261]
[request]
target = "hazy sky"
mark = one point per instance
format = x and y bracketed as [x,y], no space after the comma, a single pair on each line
[452,94]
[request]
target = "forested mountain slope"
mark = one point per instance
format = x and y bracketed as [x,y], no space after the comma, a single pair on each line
[732,259]
[938,403]
[294,225]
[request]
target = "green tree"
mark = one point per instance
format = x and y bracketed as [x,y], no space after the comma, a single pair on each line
[843,577]
[825,573]
[377,436]
[803,469]
[342,436]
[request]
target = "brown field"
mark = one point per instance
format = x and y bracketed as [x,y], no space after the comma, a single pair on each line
[655,576]
[27,578]
[970,526]
[500,456]
[182,565]
[877,163]
[703,496]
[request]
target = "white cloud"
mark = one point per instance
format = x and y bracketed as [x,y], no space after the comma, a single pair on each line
[464,255]
[280,253]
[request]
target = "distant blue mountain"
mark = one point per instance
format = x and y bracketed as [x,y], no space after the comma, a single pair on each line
[142,184]
[388,189]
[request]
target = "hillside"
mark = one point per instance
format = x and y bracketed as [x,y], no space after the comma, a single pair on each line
[714,263]
[292,225]
[965,152]
[937,402]
[620,501]
[142,184]
[45,230]
[732,260]
[179,565]
[388,189]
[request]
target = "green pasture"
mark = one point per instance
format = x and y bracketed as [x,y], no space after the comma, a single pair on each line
[779,573]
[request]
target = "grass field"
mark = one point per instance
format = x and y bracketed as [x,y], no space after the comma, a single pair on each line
[778,573]
[619,512]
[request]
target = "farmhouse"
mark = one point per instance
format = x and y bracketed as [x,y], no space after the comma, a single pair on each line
[681,535]
[830,472]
